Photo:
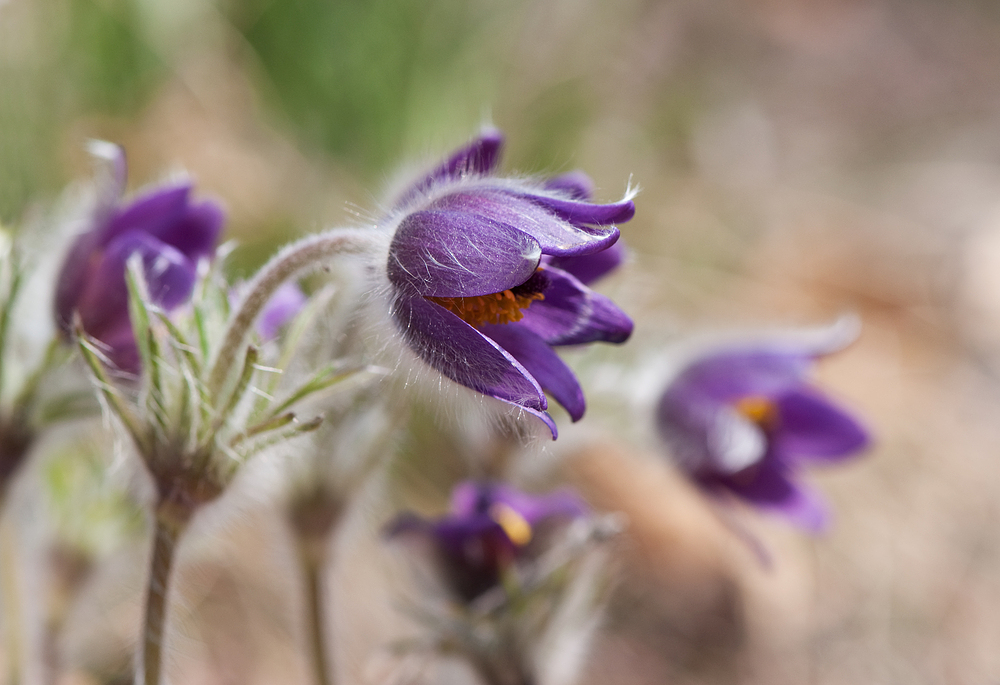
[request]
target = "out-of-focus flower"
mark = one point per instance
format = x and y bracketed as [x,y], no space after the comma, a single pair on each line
[743,419]
[286,302]
[166,227]
[483,285]
[491,527]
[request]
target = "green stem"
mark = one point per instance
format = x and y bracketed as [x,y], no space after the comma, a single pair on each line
[294,259]
[167,531]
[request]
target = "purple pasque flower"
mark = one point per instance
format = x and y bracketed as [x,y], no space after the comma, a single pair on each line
[490,528]
[483,279]
[166,227]
[745,418]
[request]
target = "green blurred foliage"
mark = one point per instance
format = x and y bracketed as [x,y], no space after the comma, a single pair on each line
[353,75]
[105,57]
[76,58]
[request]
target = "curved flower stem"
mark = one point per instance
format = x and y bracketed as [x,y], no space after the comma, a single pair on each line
[167,531]
[312,553]
[300,256]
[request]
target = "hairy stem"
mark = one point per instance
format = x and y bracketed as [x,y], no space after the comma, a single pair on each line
[300,256]
[167,530]
[312,553]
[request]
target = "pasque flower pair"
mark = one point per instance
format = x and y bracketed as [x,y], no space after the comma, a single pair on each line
[487,274]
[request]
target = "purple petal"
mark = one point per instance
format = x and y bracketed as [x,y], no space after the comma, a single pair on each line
[170,276]
[813,428]
[731,375]
[556,236]
[576,185]
[195,232]
[561,503]
[76,273]
[573,314]
[769,486]
[477,158]
[286,302]
[773,489]
[591,267]
[542,363]
[119,346]
[586,212]
[454,254]
[464,355]
[154,212]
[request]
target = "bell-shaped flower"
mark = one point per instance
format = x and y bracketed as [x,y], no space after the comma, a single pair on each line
[743,419]
[490,529]
[483,282]
[166,227]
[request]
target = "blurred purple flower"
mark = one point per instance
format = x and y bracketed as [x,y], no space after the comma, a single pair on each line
[490,528]
[168,229]
[484,282]
[744,419]
[287,301]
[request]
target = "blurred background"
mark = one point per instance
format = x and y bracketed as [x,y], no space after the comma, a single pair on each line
[797,159]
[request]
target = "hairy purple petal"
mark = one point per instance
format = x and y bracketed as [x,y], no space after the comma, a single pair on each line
[591,267]
[463,354]
[542,363]
[573,314]
[576,185]
[581,212]
[455,254]
[477,158]
[555,236]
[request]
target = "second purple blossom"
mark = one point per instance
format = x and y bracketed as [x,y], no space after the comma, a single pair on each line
[169,230]
[490,529]
[745,419]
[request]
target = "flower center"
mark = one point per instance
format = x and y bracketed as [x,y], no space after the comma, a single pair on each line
[497,308]
[761,410]
[514,525]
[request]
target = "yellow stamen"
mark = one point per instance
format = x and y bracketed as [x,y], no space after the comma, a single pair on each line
[496,308]
[516,526]
[760,410]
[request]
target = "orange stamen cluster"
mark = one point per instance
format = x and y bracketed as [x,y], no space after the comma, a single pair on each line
[495,308]
[761,410]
